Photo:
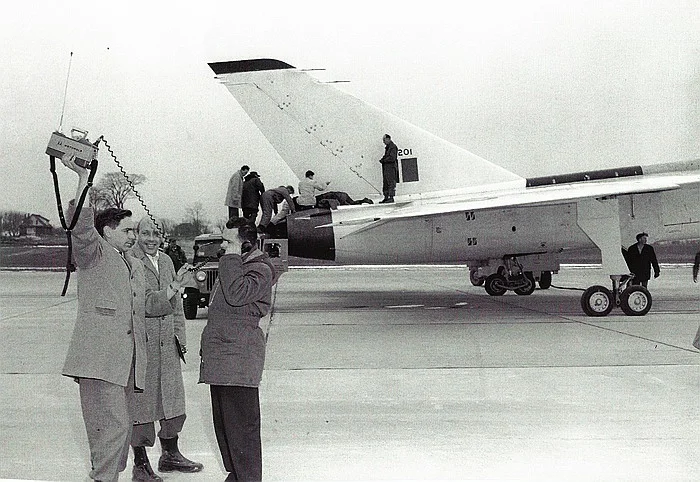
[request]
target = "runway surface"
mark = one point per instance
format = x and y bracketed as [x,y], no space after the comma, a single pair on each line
[401,374]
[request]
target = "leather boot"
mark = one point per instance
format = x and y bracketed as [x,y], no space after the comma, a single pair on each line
[173,460]
[142,467]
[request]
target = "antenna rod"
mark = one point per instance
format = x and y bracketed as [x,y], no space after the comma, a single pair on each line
[65,93]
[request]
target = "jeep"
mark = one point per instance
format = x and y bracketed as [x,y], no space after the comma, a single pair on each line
[207,249]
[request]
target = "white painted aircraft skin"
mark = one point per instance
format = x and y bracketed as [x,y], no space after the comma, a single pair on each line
[451,205]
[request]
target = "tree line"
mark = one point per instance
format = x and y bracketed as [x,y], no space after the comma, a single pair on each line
[113,190]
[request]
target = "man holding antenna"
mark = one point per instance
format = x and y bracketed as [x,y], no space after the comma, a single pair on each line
[107,351]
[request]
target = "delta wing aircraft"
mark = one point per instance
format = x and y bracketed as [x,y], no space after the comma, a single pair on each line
[451,205]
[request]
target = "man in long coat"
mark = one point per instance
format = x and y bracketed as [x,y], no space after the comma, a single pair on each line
[163,397]
[390,169]
[107,351]
[235,190]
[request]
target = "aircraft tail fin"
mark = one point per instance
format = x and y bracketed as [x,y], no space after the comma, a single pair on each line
[314,125]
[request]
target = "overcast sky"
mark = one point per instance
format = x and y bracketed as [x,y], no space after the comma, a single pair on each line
[538,87]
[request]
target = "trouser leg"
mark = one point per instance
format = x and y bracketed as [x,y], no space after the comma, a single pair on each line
[232,212]
[143,435]
[171,427]
[236,413]
[108,426]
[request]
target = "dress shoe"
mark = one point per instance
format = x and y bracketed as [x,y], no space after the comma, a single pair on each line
[387,200]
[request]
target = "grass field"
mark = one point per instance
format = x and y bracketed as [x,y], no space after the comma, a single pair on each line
[50,253]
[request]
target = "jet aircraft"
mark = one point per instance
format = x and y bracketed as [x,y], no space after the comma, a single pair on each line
[451,205]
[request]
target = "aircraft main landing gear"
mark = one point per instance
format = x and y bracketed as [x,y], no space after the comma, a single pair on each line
[634,300]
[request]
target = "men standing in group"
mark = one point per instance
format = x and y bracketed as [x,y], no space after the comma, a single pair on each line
[235,190]
[640,258]
[269,201]
[390,169]
[107,351]
[253,188]
[163,397]
[307,190]
[177,255]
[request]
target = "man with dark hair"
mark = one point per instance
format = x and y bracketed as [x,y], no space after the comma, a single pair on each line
[390,169]
[640,258]
[235,190]
[269,201]
[163,397]
[233,348]
[307,190]
[253,188]
[177,255]
[107,351]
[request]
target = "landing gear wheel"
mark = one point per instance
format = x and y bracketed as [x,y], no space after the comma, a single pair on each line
[635,300]
[545,280]
[530,287]
[474,278]
[597,301]
[495,285]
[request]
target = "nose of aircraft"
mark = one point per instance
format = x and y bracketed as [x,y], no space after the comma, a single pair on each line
[308,241]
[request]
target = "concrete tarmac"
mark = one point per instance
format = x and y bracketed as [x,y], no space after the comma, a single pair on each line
[401,374]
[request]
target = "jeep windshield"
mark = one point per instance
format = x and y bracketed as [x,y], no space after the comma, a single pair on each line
[207,250]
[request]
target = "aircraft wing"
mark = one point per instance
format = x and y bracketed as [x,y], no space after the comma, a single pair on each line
[543,195]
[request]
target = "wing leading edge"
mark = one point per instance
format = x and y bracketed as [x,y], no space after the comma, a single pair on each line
[543,195]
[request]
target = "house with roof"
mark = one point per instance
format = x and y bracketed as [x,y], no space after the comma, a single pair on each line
[35,225]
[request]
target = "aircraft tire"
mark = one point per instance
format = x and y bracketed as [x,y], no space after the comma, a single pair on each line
[495,285]
[545,280]
[475,280]
[530,288]
[635,300]
[597,301]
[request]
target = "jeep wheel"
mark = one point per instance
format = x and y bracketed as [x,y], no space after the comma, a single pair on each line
[189,306]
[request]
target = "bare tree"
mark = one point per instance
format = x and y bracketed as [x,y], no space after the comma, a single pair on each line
[221,224]
[10,222]
[167,225]
[113,190]
[196,216]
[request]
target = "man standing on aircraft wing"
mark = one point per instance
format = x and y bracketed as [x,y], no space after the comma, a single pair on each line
[390,169]
[640,258]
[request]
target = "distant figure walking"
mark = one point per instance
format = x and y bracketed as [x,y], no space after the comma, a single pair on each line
[696,267]
[640,258]
[235,190]
[390,169]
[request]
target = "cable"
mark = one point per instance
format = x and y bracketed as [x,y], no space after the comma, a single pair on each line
[565,288]
[131,185]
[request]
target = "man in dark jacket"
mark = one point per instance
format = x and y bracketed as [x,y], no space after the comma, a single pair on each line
[253,188]
[640,258]
[390,169]
[233,348]
[177,255]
